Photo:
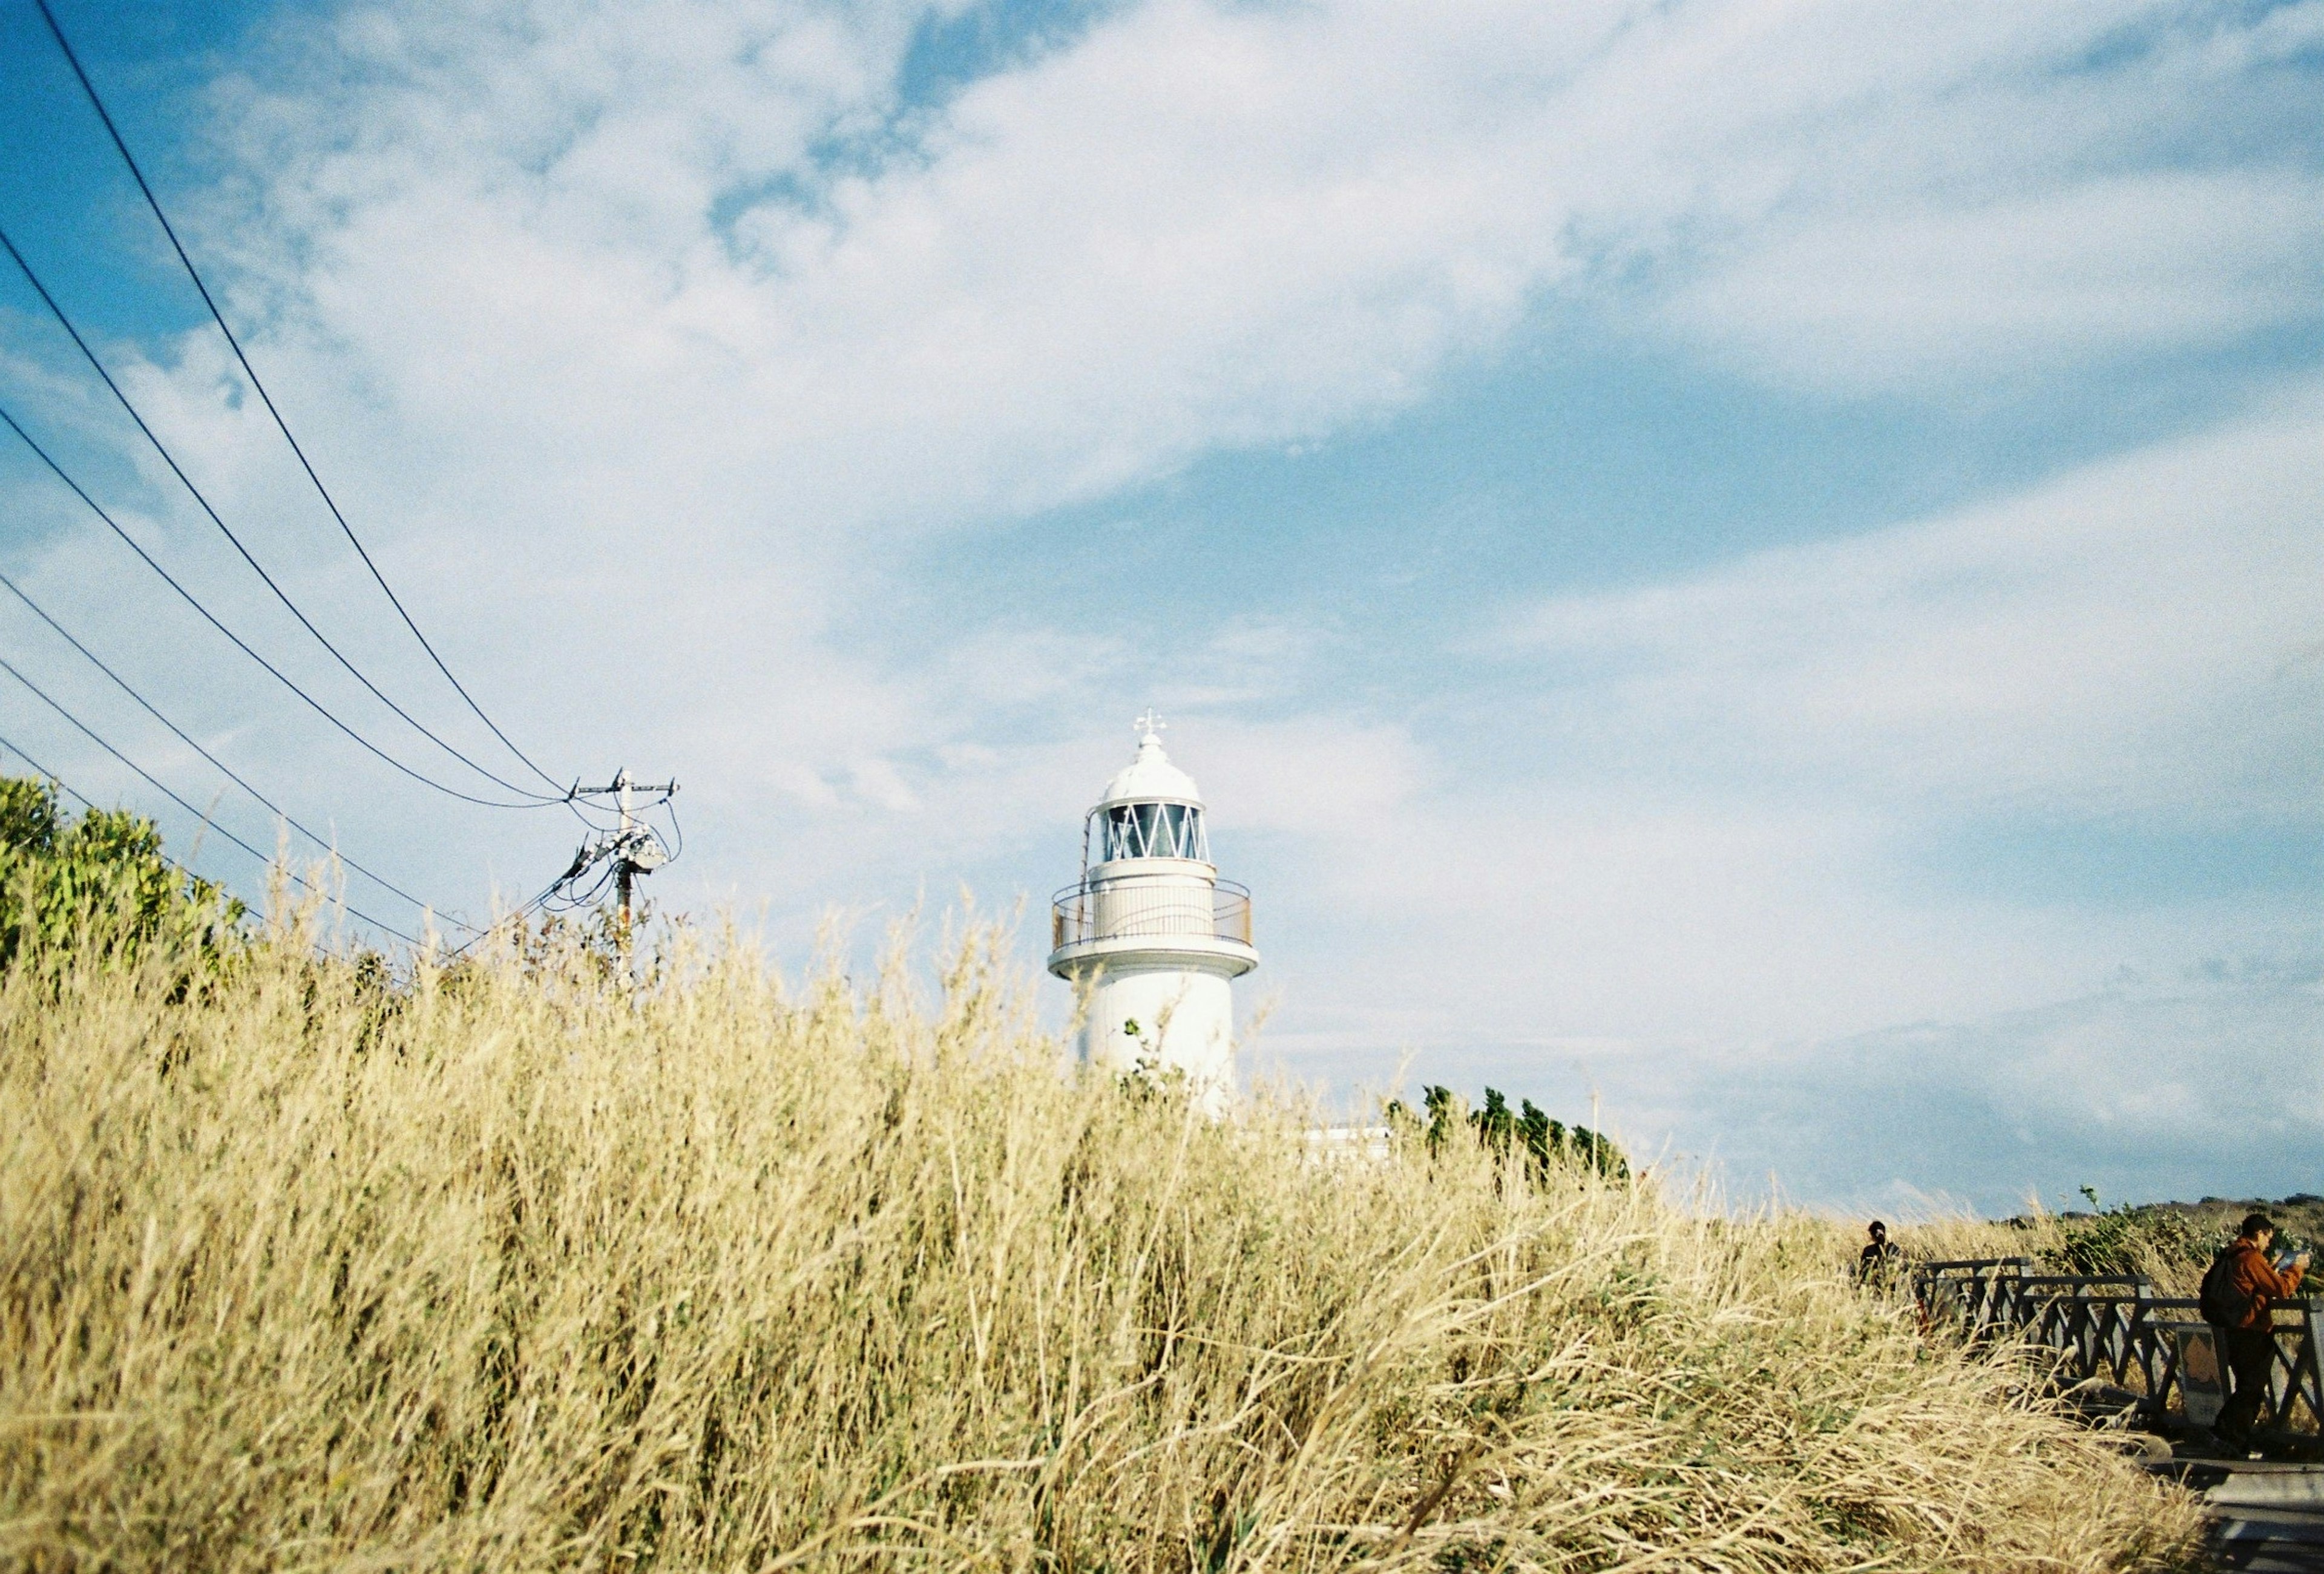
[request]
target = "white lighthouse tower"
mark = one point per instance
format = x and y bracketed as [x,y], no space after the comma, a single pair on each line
[1149,935]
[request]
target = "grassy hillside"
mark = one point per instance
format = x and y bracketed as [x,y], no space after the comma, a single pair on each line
[512,1270]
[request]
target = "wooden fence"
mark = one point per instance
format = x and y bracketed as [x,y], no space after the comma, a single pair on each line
[2115,1330]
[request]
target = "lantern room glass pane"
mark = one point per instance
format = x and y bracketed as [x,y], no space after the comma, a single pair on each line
[1153,830]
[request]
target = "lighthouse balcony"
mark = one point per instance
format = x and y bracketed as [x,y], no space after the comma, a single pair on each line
[1199,915]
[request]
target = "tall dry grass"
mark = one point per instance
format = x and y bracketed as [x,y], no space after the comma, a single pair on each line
[515,1270]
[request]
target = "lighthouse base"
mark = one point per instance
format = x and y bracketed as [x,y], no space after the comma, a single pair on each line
[1163,1021]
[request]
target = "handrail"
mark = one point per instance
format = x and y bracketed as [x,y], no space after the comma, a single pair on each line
[2020,1263]
[2113,1328]
[1134,909]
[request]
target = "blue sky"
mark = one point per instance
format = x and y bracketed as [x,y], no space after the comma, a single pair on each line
[1754,564]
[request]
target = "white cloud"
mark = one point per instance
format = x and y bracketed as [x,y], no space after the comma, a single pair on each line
[489,240]
[492,236]
[1201,225]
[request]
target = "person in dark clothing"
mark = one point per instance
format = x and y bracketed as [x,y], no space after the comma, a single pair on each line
[2249,1285]
[1876,1263]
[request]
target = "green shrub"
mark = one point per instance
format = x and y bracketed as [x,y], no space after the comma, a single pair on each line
[1545,1143]
[2159,1243]
[100,882]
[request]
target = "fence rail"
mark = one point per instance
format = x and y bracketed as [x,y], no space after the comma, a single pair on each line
[2114,1329]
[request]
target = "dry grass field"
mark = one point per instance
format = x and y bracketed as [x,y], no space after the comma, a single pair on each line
[513,1269]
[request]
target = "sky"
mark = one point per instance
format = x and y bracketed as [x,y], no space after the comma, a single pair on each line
[1748,571]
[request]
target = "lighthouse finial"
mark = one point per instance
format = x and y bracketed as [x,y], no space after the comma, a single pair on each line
[1150,726]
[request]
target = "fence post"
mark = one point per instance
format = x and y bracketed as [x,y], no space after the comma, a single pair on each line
[2298,1381]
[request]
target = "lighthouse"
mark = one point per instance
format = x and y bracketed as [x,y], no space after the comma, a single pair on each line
[1150,936]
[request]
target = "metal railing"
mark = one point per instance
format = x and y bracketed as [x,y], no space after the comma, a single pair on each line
[1132,910]
[2114,1329]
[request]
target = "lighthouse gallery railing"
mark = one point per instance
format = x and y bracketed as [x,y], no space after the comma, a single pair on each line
[1133,912]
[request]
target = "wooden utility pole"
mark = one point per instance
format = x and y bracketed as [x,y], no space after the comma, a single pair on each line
[625,872]
[633,847]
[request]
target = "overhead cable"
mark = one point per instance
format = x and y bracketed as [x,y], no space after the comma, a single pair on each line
[87,731]
[65,788]
[235,344]
[192,601]
[90,355]
[223,769]
[516,917]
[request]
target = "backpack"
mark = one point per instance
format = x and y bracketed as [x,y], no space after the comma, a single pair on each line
[2222,1304]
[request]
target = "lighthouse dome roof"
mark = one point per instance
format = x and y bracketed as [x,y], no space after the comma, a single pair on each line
[1150,777]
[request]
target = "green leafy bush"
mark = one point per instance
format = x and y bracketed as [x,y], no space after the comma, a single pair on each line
[100,880]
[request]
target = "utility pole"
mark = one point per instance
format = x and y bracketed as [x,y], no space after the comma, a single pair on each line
[633,847]
[624,871]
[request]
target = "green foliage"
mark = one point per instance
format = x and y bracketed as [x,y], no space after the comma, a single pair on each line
[1527,1129]
[100,880]
[2124,1239]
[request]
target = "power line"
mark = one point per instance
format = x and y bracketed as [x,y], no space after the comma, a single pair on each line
[90,355]
[155,203]
[40,694]
[190,600]
[629,844]
[66,787]
[223,769]
[518,916]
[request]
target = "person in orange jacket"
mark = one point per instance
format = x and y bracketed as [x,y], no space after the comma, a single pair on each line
[2248,1285]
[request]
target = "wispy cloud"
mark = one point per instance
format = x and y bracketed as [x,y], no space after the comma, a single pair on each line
[2111,267]
[2118,642]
